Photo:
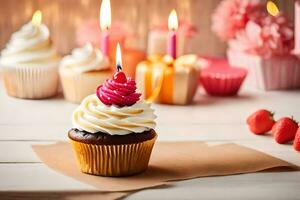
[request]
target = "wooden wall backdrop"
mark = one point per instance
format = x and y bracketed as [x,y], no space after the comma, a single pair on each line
[64,16]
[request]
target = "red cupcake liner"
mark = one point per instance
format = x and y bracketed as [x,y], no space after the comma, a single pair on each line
[222,85]
[219,78]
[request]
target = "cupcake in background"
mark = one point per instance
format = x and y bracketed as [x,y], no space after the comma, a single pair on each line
[218,78]
[265,49]
[260,41]
[82,71]
[29,62]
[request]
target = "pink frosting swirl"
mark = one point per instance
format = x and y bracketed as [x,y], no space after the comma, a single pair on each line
[120,91]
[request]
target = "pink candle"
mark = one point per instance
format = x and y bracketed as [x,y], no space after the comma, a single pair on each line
[105,43]
[172,44]
[105,22]
[173,26]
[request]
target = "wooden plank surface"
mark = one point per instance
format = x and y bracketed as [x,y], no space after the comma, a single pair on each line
[210,119]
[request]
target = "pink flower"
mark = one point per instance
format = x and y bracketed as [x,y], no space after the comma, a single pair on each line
[232,15]
[269,36]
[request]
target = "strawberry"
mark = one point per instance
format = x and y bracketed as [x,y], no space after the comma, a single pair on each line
[297,140]
[261,121]
[284,130]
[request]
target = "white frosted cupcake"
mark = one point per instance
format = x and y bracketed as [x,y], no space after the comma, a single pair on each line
[267,54]
[82,71]
[29,63]
[113,130]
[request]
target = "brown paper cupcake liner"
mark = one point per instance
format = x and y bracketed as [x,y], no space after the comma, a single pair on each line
[113,160]
[30,82]
[77,86]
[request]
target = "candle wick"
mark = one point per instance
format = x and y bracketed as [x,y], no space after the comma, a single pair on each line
[119,68]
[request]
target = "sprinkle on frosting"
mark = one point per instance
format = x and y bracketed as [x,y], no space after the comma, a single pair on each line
[119,91]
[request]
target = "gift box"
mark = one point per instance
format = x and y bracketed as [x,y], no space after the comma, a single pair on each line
[274,73]
[158,35]
[164,80]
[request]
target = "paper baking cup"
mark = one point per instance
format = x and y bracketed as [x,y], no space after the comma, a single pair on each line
[222,85]
[276,73]
[77,86]
[30,82]
[113,160]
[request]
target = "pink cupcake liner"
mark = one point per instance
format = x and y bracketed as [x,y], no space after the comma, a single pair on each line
[219,79]
[221,87]
[277,73]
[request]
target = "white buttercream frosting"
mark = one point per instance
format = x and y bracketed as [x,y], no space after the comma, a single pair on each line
[94,116]
[85,59]
[30,46]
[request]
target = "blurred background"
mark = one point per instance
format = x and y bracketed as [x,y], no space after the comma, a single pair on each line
[65,17]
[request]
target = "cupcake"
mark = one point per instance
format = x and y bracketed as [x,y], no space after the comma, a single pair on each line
[260,41]
[82,71]
[264,48]
[113,131]
[29,62]
[220,79]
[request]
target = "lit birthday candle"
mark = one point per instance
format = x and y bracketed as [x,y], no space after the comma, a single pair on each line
[173,26]
[105,23]
[37,18]
[118,58]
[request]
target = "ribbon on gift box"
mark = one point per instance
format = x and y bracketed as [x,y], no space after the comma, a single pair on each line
[169,81]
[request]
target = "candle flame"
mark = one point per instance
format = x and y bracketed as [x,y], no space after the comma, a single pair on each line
[105,15]
[272,8]
[37,18]
[119,58]
[173,21]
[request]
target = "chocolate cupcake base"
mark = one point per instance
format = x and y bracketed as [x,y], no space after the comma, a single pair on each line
[106,139]
[107,155]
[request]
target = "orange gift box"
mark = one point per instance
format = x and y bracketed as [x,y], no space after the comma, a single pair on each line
[164,80]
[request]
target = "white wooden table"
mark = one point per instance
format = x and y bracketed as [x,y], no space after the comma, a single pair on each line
[210,119]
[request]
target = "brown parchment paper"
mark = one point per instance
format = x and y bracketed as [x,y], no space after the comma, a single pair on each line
[170,161]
